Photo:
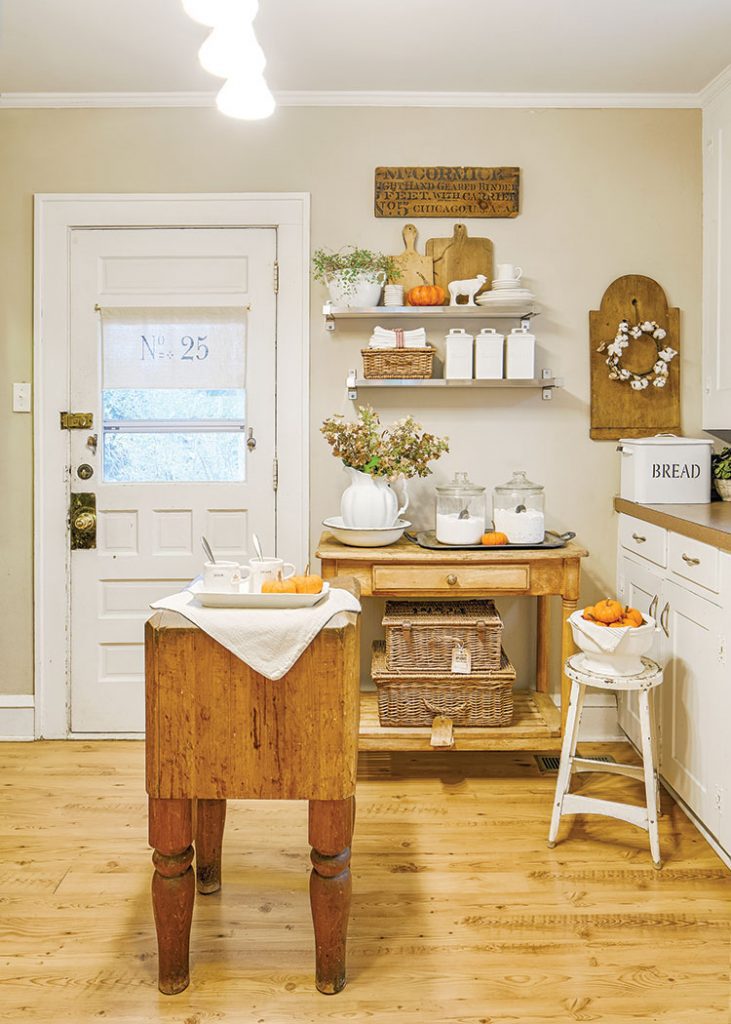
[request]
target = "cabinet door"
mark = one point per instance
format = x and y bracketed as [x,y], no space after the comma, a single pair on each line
[638,585]
[696,709]
[716,264]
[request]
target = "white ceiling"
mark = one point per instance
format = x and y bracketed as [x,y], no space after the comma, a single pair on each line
[473,46]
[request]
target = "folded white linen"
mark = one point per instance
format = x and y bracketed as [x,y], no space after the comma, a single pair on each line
[269,640]
[384,338]
[607,639]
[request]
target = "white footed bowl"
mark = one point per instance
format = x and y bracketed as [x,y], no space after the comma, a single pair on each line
[625,659]
[365,537]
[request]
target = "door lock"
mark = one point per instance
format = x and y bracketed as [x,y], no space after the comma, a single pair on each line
[85,471]
[82,520]
[251,440]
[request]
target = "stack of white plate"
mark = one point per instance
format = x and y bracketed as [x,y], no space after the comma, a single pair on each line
[503,295]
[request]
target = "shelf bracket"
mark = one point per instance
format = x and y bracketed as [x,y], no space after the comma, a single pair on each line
[329,322]
[547,393]
[351,385]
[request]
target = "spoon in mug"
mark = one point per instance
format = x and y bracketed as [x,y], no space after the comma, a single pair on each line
[207,549]
[257,547]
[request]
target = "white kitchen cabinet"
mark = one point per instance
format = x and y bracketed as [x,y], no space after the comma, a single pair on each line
[693,705]
[717,263]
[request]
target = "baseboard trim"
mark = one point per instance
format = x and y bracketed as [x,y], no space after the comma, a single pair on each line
[17,717]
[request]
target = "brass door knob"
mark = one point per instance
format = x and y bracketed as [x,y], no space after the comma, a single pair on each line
[84,522]
[451,579]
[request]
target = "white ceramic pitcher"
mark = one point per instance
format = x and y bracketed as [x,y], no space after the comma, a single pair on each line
[369,502]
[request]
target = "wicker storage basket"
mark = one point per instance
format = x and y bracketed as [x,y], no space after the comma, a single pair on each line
[421,635]
[397,363]
[415,700]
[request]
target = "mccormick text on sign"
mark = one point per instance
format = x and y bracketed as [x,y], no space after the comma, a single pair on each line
[447,191]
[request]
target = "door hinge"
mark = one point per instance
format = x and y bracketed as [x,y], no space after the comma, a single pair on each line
[77,420]
[275,473]
[276,277]
[719,799]
[722,649]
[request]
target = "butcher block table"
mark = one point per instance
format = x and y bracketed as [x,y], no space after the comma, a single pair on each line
[405,570]
[216,730]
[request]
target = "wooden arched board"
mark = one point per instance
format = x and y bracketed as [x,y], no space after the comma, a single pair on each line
[617,410]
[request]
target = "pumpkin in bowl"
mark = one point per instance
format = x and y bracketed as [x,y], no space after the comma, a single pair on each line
[611,613]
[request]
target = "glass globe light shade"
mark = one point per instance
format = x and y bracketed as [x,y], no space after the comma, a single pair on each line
[247,98]
[213,12]
[232,50]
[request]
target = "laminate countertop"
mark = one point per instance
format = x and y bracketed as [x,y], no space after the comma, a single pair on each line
[709,523]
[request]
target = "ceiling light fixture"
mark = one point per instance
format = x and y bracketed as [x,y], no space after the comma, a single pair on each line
[246,98]
[231,49]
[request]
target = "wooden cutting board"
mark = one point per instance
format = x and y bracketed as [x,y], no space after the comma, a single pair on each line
[459,258]
[415,268]
[616,409]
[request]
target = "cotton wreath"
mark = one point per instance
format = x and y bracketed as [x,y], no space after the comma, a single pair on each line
[658,375]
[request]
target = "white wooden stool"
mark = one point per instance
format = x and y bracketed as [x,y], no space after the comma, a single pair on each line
[574,803]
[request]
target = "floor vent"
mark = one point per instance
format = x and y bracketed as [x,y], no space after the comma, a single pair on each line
[550,762]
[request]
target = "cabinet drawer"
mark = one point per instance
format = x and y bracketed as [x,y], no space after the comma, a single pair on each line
[450,579]
[644,539]
[694,561]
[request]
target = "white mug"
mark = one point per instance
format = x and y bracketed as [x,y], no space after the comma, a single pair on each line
[267,569]
[507,272]
[223,577]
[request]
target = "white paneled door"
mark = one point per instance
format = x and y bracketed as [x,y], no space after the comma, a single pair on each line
[173,351]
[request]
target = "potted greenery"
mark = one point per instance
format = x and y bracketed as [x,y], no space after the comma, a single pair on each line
[371,457]
[354,276]
[721,469]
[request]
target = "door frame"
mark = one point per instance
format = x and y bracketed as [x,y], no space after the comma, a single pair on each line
[55,217]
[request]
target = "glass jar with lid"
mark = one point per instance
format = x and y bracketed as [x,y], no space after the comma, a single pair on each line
[518,510]
[461,511]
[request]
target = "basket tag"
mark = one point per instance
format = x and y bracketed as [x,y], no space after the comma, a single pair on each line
[461,659]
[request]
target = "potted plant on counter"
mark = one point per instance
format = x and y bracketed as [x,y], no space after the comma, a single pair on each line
[354,276]
[372,457]
[721,470]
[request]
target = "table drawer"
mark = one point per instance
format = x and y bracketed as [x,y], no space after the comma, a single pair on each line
[694,560]
[644,539]
[450,579]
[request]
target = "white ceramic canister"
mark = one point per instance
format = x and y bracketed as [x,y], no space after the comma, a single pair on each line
[459,347]
[489,347]
[520,354]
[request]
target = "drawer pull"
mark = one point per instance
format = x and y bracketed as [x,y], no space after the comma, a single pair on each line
[640,539]
[690,561]
[664,615]
[452,579]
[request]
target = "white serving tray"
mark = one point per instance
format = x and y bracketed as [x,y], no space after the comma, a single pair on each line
[244,599]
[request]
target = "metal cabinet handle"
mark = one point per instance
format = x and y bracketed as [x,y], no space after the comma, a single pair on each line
[639,538]
[690,561]
[451,579]
[664,618]
[251,440]
[653,607]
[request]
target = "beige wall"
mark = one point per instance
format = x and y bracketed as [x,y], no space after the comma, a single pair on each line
[605,193]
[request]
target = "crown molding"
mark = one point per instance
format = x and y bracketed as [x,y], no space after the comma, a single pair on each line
[715,87]
[495,100]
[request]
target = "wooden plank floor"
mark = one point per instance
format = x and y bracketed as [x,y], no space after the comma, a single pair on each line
[460,912]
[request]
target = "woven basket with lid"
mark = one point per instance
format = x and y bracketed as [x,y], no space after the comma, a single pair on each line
[415,699]
[422,635]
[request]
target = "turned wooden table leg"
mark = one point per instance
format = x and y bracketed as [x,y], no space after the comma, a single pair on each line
[542,642]
[173,889]
[210,819]
[331,831]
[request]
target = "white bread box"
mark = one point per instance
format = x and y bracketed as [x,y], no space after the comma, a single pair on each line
[666,470]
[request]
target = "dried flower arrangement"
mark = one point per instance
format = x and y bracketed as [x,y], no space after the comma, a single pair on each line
[399,450]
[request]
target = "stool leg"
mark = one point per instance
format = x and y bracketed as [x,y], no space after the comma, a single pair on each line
[648,764]
[568,750]
[655,750]
[173,889]
[331,831]
[210,819]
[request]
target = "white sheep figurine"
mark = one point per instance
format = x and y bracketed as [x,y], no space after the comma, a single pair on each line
[469,288]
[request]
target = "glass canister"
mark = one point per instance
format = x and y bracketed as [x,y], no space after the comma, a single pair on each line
[460,511]
[518,510]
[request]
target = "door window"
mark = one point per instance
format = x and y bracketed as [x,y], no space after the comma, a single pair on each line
[173,395]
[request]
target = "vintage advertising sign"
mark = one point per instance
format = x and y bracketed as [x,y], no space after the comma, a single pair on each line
[447,191]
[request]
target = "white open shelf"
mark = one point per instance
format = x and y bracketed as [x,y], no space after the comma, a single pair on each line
[546,383]
[498,311]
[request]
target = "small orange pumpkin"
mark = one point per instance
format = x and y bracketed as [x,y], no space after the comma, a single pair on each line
[307,583]
[279,585]
[635,616]
[426,295]
[588,613]
[608,611]
[494,537]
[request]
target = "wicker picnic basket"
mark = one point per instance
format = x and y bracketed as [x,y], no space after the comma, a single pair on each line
[422,635]
[397,363]
[478,700]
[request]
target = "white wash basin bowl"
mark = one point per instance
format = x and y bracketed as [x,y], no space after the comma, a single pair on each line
[628,644]
[365,537]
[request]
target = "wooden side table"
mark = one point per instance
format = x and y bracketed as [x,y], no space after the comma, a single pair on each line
[405,570]
[216,730]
